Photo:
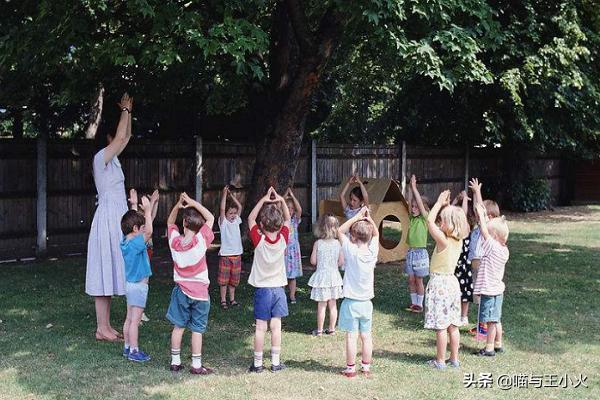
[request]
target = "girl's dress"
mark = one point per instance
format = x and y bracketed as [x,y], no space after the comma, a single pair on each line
[293,260]
[442,296]
[105,267]
[464,274]
[326,281]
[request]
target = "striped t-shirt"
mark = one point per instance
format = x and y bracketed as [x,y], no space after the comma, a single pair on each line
[491,270]
[189,259]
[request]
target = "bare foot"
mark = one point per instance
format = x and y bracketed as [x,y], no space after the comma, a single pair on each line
[116,333]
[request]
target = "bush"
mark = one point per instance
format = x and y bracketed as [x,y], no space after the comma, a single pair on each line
[530,195]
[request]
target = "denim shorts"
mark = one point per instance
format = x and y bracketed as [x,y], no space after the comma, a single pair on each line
[185,312]
[270,303]
[417,262]
[136,294]
[356,316]
[490,308]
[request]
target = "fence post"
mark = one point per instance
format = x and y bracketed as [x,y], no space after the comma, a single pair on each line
[198,177]
[467,160]
[41,198]
[403,169]
[313,181]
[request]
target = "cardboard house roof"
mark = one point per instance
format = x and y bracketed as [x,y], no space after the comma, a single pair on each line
[380,190]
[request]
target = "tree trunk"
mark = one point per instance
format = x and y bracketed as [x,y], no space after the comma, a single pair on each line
[95,114]
[298,68]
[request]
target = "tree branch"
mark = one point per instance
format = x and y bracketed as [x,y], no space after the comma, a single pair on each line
[300,26]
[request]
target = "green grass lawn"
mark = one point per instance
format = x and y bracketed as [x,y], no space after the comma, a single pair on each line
[551,318]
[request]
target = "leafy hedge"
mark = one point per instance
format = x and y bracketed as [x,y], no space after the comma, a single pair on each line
[530,195]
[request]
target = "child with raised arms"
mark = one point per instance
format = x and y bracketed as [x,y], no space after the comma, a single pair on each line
[268,275]
[442,296]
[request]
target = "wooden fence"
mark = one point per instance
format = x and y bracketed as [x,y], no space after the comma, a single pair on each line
[47,194]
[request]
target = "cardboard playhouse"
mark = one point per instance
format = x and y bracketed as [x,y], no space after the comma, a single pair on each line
[388,209]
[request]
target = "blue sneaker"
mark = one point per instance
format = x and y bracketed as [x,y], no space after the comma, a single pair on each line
[436,364]
[138,356]
[453,363]
[125,352]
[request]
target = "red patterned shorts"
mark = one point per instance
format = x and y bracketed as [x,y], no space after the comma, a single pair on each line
[230,268]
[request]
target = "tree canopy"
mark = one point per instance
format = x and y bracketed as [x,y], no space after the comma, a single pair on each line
[427,71]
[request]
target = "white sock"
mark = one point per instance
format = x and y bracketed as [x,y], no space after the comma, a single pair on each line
[275,351]
[134,349]
[258,359]
[365,366]
[126,346]
[196,361]
[350,367]
[175,357]
[413,298]
[420,300]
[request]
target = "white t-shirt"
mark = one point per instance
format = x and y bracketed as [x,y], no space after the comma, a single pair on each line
[360,266]
[231,238]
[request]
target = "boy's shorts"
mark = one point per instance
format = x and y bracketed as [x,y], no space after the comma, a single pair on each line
[136,294]
[270,303]
[417,262]
[490,308]
[188,313]
[356,316]
[230,268]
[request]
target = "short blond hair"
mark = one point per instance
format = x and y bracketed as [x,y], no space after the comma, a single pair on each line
[327,227]
[362,231]
[455,219]
[498,228]
[491,208]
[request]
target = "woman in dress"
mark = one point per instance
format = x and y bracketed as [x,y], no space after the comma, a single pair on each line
[105,269]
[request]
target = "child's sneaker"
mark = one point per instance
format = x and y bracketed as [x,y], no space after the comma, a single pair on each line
[138,356]
[464,321]
[417,308]
[349,373]
[125,352]
[201,371]
[499,349]
[277,368]
[145,317]
[256,370]
[453,363]
[485,353]
[436,364]
[176,368]
[409,307]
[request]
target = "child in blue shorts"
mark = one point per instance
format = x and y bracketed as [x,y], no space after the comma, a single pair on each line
[137,231]
[417,258]
[356,311]
[268,274]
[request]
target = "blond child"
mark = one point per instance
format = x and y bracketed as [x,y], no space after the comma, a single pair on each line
[356,312]
[230,253]
[190,301]
[326,282]
[269,237]
[417,258]
[442,298]
[489,284]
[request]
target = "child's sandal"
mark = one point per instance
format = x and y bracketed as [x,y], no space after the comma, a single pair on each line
[330,332]
[234,304]
[224,305]
[316,333]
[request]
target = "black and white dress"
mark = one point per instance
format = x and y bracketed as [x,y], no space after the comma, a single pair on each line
[464,274]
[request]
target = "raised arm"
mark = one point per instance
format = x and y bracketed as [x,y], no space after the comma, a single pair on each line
[475,187]
[148,217]
[254,213]
[482,214]
[287,218]
[363,190]
[417,196]
[223,203]
[123,134]
[154,202]
[207,215]
[465,202]
[436,233]
[174,211]
[367,216]
[343,193]
[133,199]
[348,224]
[236,201]
[297,205]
